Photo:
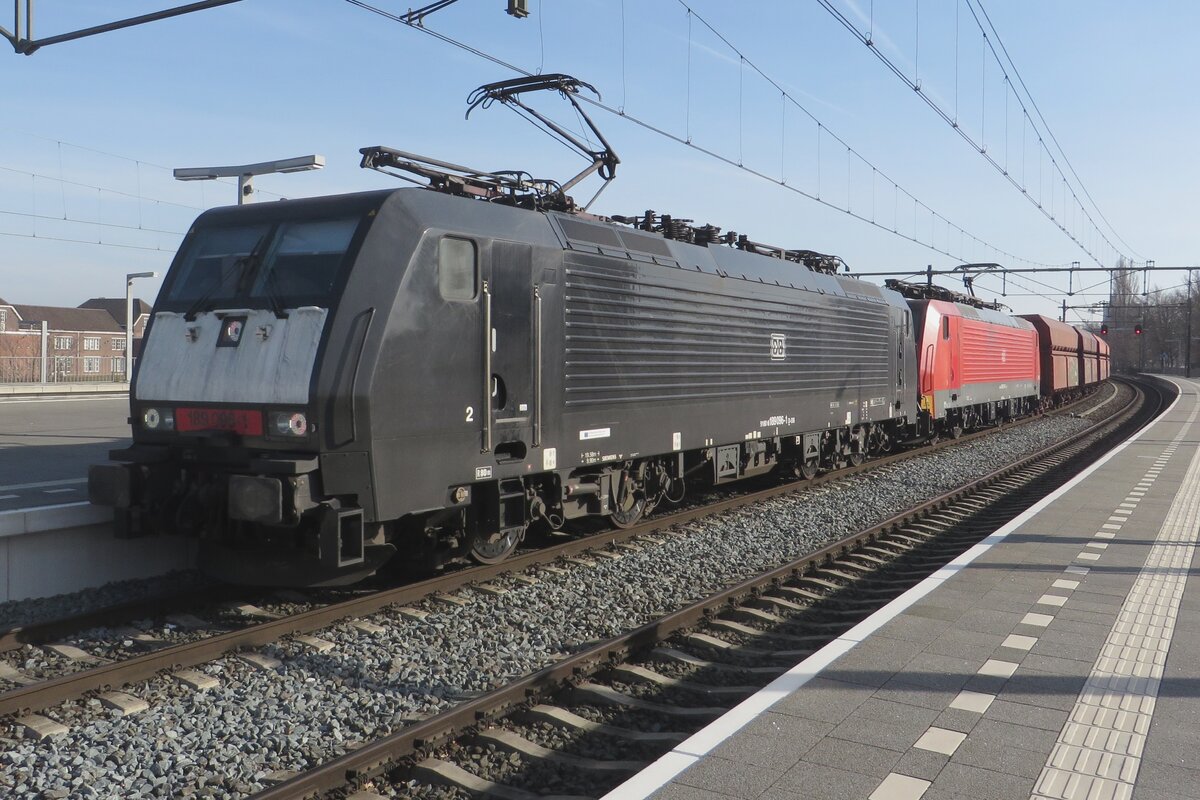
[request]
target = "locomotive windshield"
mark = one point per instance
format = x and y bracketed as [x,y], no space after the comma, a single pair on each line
[263,265]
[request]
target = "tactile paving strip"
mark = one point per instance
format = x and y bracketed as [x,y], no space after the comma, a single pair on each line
[1099,750]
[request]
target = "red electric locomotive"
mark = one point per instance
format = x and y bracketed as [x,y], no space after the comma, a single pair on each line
[976,365]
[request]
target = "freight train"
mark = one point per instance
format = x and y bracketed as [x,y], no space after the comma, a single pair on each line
[329,384]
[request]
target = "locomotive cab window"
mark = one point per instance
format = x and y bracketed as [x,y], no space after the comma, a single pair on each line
[284,264]
[945,327]
[458,271]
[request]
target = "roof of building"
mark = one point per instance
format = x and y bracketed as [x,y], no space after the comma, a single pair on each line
[69,319]
[115,306]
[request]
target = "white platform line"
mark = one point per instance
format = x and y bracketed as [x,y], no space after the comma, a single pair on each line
[690,751]
[16,487]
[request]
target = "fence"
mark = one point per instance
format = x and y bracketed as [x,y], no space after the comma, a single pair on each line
[62,369]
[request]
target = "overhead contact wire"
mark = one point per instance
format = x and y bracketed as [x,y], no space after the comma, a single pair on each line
[914,83]
[686,141]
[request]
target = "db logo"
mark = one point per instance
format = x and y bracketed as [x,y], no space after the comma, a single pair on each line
[778,347]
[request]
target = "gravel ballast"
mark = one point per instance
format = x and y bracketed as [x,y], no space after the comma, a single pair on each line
[223,743]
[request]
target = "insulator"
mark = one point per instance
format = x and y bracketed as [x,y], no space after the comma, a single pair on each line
[677,229]
[709,234]
[649,221]
[680,229]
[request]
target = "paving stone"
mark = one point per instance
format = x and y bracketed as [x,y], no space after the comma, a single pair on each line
[1000,757]
[853,756]
[907,628]
[958,720]
[728,777]
[983,784]
[1047,719]
[924,764]
[782,743]
[964,644]
[1013,735]
[812,781]
[824,699]
[999,669]
[973,701]
[897,691]
[1057,666]
[899,787]
[679,791]
[1019,642]
[935,613]
[940,740]
[935,671]
[987,621]
[893,734]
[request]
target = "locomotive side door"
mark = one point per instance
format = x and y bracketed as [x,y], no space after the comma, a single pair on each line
[510,327]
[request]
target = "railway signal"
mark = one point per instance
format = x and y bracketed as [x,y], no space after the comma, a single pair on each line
[1137,329]
[1104,329]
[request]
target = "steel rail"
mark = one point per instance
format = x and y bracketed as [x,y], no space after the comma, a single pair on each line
[44,694]
[414,740]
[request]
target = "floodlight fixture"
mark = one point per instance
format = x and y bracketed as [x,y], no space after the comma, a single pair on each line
[245,172]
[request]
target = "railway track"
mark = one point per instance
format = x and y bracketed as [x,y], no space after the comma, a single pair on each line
[584,724]
[233,625]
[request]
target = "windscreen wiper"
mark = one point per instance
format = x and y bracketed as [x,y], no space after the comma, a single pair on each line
[270,284]
[242,264]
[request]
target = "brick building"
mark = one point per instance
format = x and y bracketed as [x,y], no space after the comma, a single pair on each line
[82,344]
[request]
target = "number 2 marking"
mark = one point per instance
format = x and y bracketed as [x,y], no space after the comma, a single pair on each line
[470,414]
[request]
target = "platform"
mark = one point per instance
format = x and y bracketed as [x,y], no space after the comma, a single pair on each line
[1058,659]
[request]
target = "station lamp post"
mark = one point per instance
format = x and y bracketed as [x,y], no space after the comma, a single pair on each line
[129,279]
[245,172]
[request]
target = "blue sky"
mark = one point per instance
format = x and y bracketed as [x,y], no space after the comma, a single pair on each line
[93,126]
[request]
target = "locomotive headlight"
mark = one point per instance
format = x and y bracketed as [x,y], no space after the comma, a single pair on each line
[289,423]
[158,419]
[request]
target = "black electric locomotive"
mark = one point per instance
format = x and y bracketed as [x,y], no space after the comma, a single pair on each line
[330,383]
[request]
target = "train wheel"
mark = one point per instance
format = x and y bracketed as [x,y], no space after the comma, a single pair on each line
[809,469]
[628,512]
[497,547]
[630,505]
